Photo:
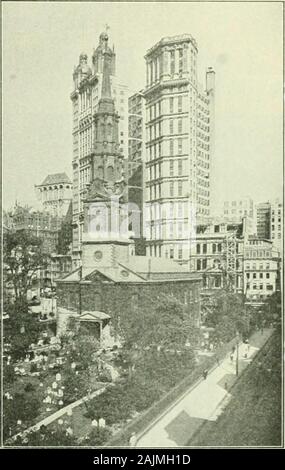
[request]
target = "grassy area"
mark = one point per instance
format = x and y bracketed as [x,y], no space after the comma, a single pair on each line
[253,416]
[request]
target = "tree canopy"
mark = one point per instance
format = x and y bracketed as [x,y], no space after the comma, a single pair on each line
[23,257]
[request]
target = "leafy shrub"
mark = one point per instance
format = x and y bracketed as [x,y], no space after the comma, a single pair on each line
[98,436]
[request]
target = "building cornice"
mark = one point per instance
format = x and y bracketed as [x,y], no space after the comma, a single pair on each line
[171,41]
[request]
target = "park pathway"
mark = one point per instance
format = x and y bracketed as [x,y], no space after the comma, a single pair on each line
[204,400]
[60,413]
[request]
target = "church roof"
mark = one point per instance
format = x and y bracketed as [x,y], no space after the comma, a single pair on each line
[73,276]
[121,274]
[139,269]
[56,178]
[159,268]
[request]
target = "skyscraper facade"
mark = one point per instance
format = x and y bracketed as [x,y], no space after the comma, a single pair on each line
[277,225]
[179,146]
[85,101]
[263,210]
[55,193]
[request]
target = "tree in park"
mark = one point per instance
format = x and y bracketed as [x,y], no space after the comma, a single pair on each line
[23,257]
[167,325]
[271,311]
[79,349]
[20,329]
[98,436]
[227,314]
[75,385]
[24,406]
[79,346]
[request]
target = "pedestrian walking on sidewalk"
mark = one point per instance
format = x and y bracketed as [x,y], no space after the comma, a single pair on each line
[232,357]
[217,360]
[205,374]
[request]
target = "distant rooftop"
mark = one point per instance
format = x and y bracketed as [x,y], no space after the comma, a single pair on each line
[172,40]
[56,178]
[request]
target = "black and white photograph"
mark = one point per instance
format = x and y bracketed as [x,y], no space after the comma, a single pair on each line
[142,225]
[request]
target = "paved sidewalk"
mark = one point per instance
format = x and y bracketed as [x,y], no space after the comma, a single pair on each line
[204,401]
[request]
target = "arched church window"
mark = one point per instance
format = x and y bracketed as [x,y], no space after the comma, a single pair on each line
[109,130]
[98,301]
[103,129]
[100,172]
[110,172]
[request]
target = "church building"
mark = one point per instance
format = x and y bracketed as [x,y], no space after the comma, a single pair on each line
[112,280]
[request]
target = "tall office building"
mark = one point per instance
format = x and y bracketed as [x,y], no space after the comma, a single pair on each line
[179,146]
[239,210]
[85,101]
[55,194]
[263,210]
[136,168]
[236,209]
[276,225]
[136,138]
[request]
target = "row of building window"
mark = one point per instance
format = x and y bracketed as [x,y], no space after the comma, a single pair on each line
[202,248]
[257,254]
[175,189]
[168,211]
[278,235]
[84,176]
[175,169]
[175,147]
[260,286]
[85,141]
[255,275]
[260,266]
[178,230]
[179,126]
[273,228]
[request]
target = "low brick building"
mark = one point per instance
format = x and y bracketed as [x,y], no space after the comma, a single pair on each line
[129,285]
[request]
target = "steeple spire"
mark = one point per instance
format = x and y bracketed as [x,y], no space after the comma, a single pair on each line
[106,82]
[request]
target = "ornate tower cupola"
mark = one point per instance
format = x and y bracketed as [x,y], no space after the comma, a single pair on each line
[82,70]
[98,55]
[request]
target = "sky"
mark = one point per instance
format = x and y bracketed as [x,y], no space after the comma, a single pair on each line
[41,44]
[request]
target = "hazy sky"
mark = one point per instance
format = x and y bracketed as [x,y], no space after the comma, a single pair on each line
[242,41]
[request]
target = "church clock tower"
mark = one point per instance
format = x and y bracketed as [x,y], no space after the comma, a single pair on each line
[105,239]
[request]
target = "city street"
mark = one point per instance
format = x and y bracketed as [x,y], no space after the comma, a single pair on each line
[204,401]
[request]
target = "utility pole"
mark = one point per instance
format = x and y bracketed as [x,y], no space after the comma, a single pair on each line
[237,356]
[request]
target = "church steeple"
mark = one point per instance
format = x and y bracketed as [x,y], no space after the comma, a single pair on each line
[106,82]
[108,166]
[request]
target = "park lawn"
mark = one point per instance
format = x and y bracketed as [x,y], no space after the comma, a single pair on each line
[253,415]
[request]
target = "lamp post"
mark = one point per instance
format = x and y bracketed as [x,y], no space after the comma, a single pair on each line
[237,356]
